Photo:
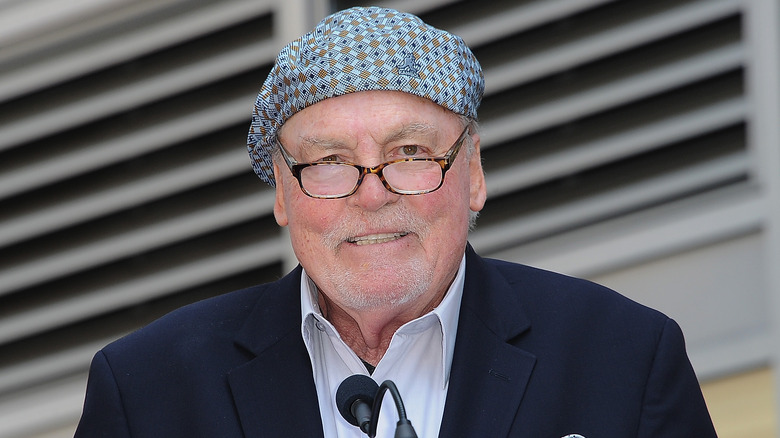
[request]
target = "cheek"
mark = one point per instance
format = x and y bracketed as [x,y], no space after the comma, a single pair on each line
[310,218]
[458,189]
[306,236]
[307,219]
[457,205]
[445,210]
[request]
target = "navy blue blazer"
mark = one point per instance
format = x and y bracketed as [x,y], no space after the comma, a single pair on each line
[537,355]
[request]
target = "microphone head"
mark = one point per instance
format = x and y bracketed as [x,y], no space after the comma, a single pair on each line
[353,388]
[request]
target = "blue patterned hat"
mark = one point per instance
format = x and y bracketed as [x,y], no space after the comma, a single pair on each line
[362,49]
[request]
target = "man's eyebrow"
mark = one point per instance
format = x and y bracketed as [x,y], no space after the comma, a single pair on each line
[405,132]
[411,130]
[321,143]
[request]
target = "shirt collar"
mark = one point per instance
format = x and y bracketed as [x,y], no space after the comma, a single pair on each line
[446,313]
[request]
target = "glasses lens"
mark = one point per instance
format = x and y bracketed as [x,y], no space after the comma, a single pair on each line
[329,180]
[411,177]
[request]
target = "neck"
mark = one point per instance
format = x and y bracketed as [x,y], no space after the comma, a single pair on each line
[369,332]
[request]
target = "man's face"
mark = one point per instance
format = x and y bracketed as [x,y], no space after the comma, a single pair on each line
[376,249]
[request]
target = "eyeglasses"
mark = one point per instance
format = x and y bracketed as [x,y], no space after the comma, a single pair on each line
[407,176]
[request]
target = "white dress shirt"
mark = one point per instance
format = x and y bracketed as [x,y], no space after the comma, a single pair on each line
[418,361]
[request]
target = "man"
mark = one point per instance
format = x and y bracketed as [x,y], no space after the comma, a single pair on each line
[366,127]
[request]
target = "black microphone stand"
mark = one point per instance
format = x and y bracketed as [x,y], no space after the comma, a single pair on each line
[403,428]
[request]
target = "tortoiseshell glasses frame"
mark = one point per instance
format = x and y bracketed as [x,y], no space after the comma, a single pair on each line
[407,176]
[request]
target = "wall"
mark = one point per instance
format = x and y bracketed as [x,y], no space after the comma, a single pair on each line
[630,142]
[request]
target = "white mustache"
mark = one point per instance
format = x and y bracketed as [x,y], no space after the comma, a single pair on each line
[396,220]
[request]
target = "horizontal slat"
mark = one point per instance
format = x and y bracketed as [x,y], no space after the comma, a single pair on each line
[118,47]
[50,366]
[43,408]
[135,242]
[20,21]
[57,313]
[619,92]
[623,198]
[647,235]
[519,18]
[92,205]
[122,147]
[746,351]
[605,43]
[21,51]
[415,6]
[57,117]
[617,146]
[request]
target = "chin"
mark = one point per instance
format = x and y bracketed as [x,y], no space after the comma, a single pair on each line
[387,287]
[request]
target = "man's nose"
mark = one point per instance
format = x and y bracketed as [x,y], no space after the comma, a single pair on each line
[372,194]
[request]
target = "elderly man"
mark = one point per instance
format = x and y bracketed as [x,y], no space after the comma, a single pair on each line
[366,127]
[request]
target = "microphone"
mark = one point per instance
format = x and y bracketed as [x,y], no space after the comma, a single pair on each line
[355,398]
[359,401]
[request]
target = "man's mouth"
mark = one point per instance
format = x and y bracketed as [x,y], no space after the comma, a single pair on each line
[376,238]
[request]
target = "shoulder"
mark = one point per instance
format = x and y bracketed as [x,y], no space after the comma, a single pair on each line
[572,322]
[221,312]
[208,325]
[557,288]
[553,298]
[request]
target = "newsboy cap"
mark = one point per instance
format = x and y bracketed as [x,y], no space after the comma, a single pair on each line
[358,49]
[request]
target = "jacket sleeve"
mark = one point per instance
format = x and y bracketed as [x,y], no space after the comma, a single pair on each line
[103,414]
[673,405]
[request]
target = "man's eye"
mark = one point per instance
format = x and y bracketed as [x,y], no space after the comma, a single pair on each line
[410,150]
[330,158]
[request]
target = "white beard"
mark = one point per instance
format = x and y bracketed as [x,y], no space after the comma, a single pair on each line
[379,284]
[356,292]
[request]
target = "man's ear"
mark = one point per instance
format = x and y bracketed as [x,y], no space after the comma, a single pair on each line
[477,187]
[280,210]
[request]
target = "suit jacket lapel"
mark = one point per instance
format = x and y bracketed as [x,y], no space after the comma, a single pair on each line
[274,392]
[489,375]
[487,381]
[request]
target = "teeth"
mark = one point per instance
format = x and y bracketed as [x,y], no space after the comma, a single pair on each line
[376,238]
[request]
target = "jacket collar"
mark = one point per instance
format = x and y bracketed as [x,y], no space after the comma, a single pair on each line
[276,385]
[489,375]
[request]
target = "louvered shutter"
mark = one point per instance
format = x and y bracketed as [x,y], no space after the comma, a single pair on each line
[619,141]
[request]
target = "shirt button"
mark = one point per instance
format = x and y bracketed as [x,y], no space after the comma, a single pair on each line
[320,326]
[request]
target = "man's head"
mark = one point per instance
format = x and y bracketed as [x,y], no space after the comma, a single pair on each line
[366,88]
[363,49]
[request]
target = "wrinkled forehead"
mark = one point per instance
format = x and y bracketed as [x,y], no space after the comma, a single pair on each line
[385,116]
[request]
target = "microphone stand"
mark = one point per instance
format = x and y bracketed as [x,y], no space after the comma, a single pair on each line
[403,428]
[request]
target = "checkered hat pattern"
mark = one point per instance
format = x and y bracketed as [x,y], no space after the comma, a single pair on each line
[362,49]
